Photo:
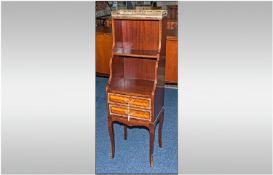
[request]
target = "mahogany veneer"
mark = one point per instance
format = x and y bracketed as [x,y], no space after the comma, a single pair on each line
[135,90]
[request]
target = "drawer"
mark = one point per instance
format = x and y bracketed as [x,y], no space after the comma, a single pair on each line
[118,110]
[140,114]
[132,101]
[118,98]
[129,112]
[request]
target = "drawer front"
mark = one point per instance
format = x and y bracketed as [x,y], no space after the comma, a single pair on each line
[130,101]
[118,98]
[129,112]
[118,110]
[137,102]
[140,114]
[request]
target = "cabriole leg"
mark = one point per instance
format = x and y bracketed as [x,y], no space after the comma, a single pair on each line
[112,136]
[161,120]
[152,135]
[125,132]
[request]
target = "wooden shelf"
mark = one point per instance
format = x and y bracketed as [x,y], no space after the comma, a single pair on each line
[135,53]
[137,87]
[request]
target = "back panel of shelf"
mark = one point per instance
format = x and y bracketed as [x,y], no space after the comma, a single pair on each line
[136,34]
[133,68]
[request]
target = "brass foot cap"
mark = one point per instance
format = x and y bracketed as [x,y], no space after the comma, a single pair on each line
[152,163]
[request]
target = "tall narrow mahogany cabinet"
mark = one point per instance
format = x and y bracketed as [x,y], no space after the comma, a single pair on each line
[135,90]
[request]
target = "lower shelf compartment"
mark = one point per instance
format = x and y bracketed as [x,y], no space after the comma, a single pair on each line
[135,87]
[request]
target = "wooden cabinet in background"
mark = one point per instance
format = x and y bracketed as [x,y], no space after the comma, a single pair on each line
[171,60]
[104,43]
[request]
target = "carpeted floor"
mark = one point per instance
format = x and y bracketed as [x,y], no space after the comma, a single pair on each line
[132,155]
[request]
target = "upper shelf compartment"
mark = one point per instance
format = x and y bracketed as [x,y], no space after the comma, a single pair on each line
[139,14]
[136,34]
[135,37]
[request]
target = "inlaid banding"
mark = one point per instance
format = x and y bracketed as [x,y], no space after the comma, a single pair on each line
[139,114]
[130,100]
[118,98]
[129,112]
[139,102]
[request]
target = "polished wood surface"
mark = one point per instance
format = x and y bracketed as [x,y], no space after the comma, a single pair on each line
[132,86]
[135,89]
[129,100]
[125,111]
[171,61]
[104,52]
[133,123]
[104,43]
[135,53]
[136,34]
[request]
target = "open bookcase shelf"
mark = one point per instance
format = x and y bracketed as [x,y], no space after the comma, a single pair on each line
[135,90]
[135,87]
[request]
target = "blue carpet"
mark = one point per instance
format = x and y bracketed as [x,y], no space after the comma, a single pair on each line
[132,155]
